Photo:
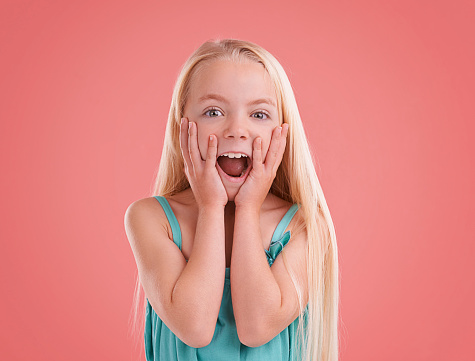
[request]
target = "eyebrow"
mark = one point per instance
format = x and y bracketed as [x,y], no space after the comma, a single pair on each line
[224,100]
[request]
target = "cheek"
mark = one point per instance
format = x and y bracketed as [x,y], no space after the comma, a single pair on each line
[266,135]
[203,139]
[203,143]
[266,144]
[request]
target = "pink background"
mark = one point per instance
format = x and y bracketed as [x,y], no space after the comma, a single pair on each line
[386,93]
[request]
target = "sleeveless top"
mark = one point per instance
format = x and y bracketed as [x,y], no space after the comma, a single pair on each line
[161,344]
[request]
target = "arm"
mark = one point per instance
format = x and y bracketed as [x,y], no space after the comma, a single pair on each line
[264,298]
[186,296]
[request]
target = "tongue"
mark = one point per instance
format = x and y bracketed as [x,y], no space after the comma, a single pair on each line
[232,166]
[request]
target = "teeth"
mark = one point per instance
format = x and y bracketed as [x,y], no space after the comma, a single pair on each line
[234,155]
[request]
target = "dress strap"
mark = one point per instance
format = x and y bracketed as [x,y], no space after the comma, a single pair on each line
[279,238]
[284,222]
[175,226]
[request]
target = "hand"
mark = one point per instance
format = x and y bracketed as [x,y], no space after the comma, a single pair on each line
[203,176]
[257,185]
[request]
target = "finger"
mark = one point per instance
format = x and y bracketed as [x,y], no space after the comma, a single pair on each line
[184,141]
[257,154]
[283,138]
[211,152]
[193,145]
[282,145]
[285,130]
[273,150]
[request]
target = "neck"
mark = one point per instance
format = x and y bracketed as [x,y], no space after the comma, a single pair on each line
[229,210]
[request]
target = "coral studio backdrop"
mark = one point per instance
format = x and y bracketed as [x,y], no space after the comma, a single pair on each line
[385,90]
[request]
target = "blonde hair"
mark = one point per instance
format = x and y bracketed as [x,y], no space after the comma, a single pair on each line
[296,181]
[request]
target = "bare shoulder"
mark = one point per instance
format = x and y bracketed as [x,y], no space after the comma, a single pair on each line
[142,207]
[290,270]
[159,261]
[183,203]
[277,207]
[145,212]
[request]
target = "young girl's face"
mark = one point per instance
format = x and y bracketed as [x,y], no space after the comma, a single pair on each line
[237,103]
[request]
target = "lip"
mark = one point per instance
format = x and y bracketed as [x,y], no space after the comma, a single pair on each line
[234,179]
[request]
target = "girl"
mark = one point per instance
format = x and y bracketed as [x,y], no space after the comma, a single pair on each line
[236,184]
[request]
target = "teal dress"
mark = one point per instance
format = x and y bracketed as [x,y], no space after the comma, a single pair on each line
[162,345]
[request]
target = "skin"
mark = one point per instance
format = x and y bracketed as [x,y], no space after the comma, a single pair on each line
[213,127]
[223,224]
[234,126]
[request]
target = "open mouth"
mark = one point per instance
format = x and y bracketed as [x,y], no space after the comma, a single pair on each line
[234,164]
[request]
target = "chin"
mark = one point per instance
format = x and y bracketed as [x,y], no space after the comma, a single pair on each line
[231,194]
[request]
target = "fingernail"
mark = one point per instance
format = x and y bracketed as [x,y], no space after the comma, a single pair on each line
[182,121]
[189,125]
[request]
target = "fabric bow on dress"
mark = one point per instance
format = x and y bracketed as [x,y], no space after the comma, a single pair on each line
[276,247]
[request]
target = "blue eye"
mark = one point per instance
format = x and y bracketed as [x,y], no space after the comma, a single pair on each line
[212,110]
[267,115]
[263,116]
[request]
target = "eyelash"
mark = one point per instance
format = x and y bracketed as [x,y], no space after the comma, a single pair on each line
[262,112]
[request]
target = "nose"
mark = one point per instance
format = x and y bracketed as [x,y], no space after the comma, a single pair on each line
[236,127]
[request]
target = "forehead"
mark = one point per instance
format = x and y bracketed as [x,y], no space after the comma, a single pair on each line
[237,82]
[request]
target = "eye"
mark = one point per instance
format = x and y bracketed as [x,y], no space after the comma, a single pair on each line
[212,110]
[263,114]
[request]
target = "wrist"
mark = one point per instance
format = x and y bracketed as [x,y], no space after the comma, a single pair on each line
[214,208]
[248,209]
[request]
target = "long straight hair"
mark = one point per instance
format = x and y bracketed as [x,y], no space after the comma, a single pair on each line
[296,181]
